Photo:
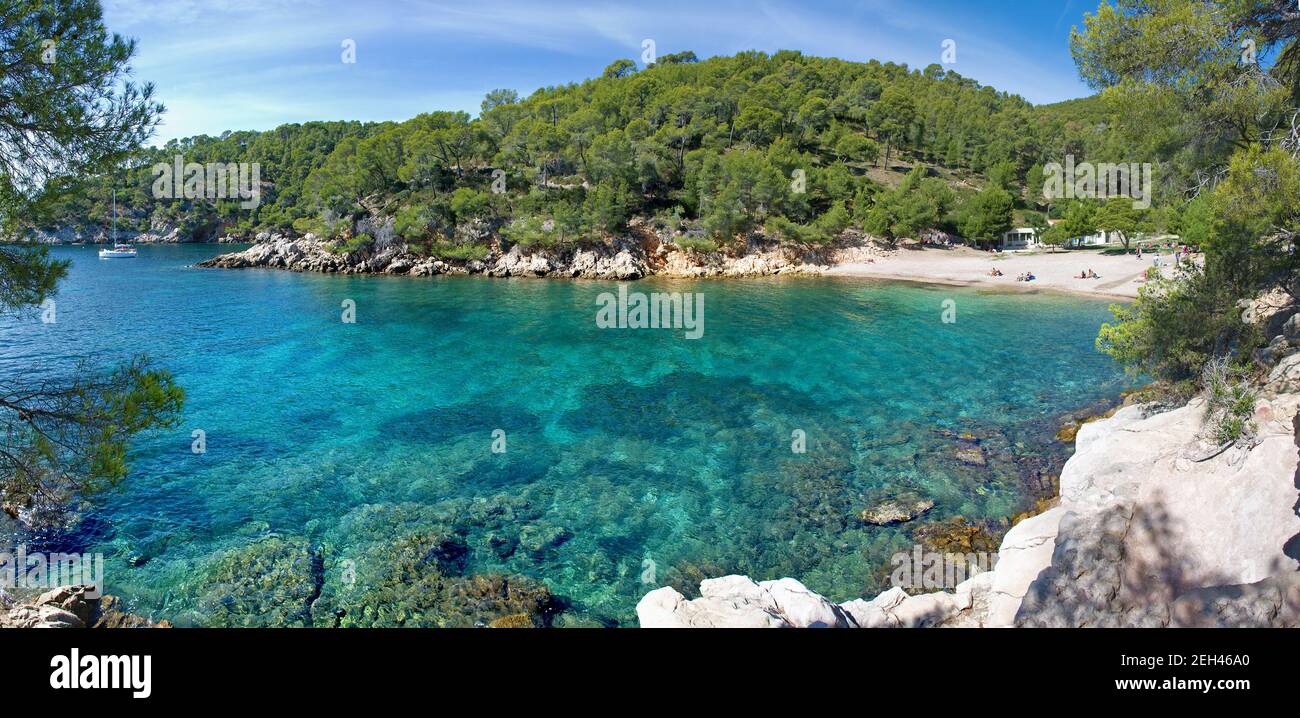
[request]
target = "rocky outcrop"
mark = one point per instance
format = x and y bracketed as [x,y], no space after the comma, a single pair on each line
[1154,519]
[72,607]
[160,231]
[642,253]
[738,602]
[62,235]
[309,254]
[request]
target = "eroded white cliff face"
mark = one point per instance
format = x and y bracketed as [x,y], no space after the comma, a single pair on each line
[1153,512]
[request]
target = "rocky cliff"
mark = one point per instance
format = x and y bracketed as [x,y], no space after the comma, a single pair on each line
[642,253]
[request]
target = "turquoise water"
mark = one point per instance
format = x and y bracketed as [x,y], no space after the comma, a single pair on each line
[626,450]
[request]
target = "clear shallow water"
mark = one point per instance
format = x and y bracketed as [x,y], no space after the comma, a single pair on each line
[622,445]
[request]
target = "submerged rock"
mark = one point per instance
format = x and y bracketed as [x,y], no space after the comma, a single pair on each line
[537,539]
[897,511]
[971,455]
[958,535]
[414,581]
[267,583]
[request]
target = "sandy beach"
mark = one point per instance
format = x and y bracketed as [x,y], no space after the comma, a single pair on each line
[1118,275]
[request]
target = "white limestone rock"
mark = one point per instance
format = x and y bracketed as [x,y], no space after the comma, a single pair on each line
[895,609]
[1025,551]
[739,602]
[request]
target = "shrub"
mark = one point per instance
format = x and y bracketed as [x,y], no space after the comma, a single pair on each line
[355,244]
[1229,401]
[465,252]
[703,245]
[1175,327]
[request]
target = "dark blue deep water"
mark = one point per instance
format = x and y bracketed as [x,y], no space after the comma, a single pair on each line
[625,449]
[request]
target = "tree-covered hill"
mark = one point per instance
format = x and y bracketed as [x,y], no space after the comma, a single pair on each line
[800,147]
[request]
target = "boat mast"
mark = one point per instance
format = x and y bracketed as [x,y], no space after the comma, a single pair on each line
[114,216]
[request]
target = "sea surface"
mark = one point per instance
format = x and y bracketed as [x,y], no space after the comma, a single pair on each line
[603,462]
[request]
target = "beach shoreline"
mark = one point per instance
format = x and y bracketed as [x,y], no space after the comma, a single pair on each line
[1120,276]
[1117,276]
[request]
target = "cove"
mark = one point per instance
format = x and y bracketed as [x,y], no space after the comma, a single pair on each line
[633,459]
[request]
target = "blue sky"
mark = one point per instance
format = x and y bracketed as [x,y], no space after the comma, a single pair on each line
[255,64]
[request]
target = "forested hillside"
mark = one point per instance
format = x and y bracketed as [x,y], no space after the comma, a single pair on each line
[287,155]
[799,147]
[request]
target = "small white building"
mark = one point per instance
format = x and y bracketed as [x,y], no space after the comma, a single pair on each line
[1099,239]
[1020,239]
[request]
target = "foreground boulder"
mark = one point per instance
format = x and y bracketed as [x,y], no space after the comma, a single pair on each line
[71,607]
[738,602]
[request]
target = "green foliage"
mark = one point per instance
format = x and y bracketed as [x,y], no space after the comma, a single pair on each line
[1195,222]
[317,226]
[1198,106]
[1118,214]
[467,203]
[892,117]
[918,203]
[1256,222]
[608,206]
[462,252]
[356,243]
[67,115]
[1175,326]
[853,147]
[824,231]
[721,139]
[1055,236]
[28,276]
[703,245]
[988,215]
[541,232]
[1002,175]
[1079,219]
[737,191]
[1229,400]
[619,68]
[61,440]
[1034,183]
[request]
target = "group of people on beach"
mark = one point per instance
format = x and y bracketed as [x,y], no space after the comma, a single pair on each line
[1088,274]
[1022,277]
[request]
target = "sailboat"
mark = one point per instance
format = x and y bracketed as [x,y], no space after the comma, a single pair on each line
[119,251]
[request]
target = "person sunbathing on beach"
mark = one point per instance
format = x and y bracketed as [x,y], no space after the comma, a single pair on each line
[1092,275]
